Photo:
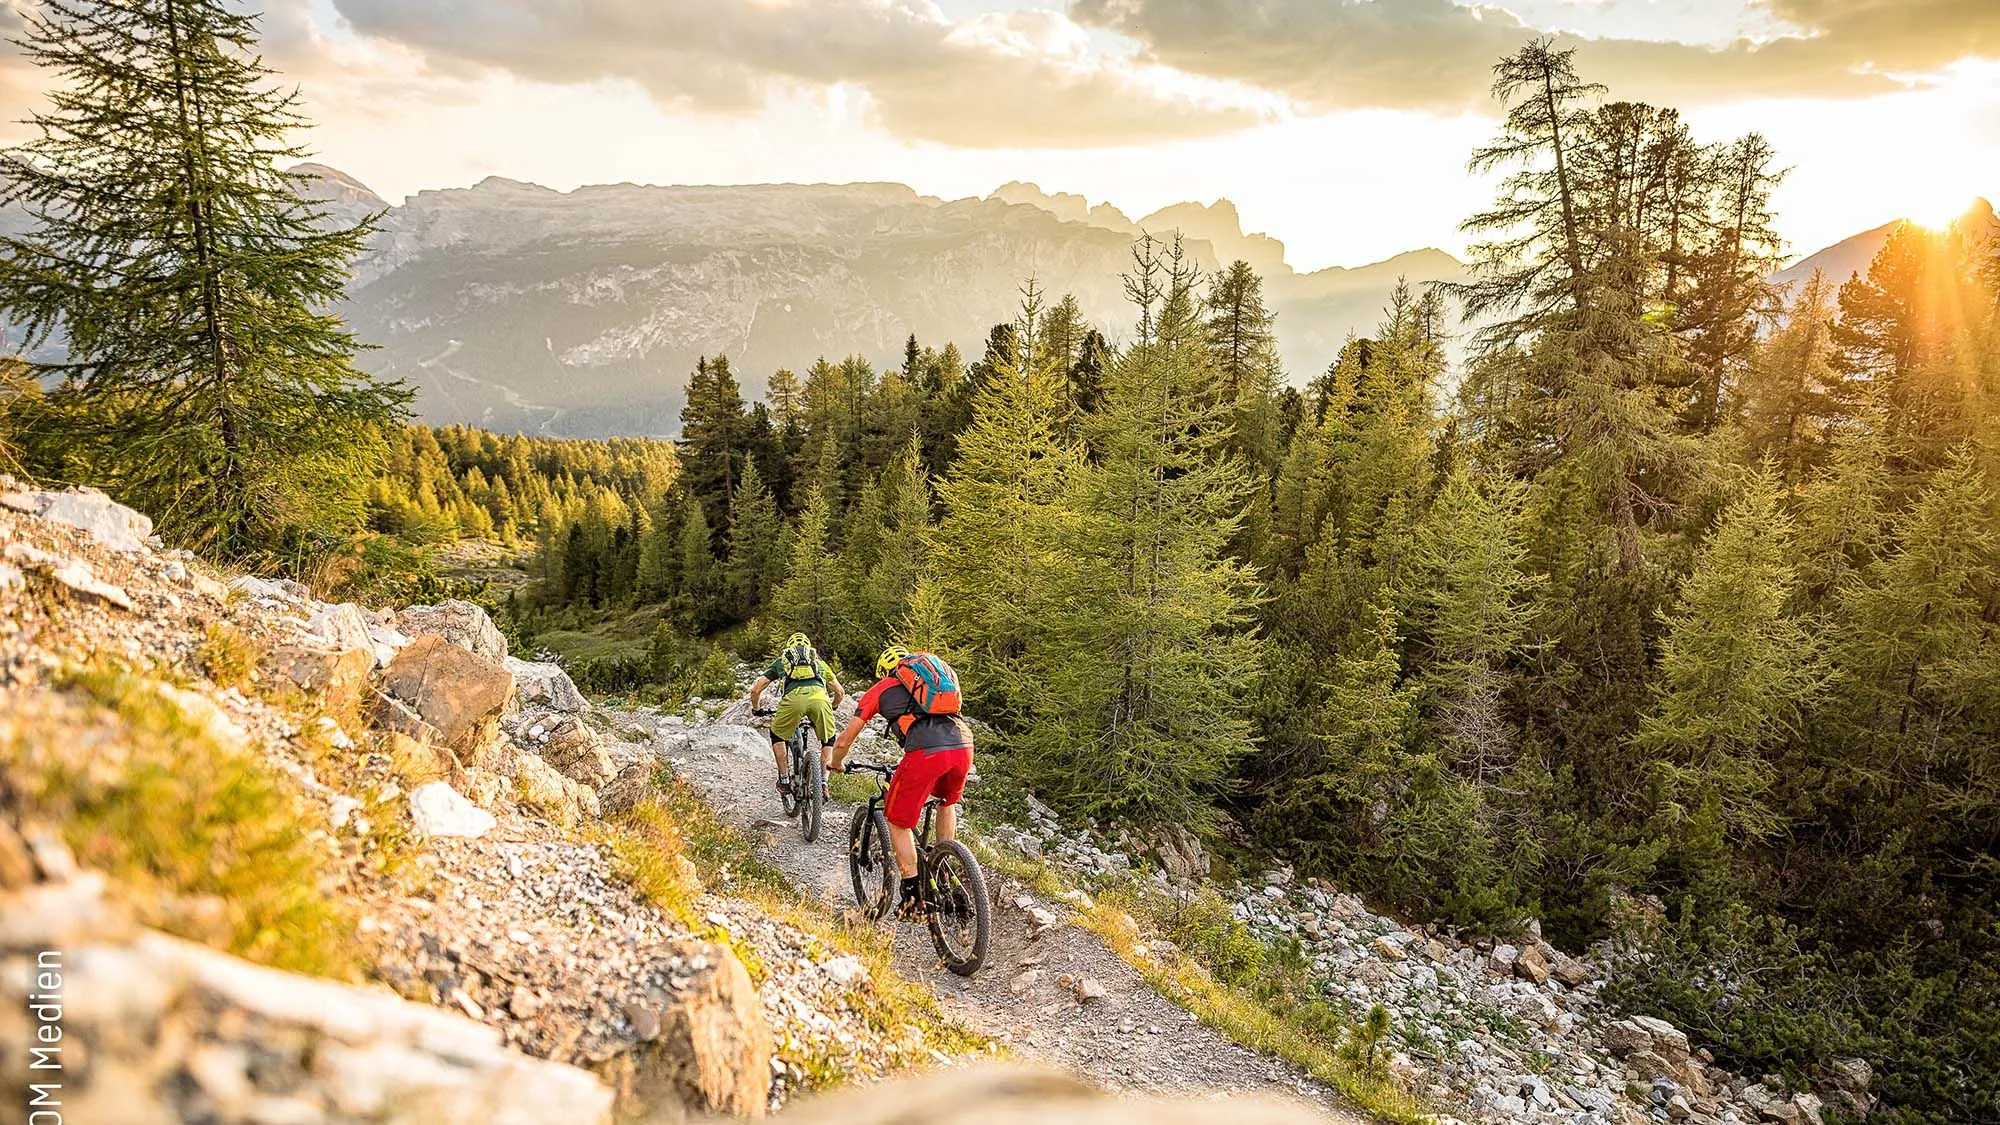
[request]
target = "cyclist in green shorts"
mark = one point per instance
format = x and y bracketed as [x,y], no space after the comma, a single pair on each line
[810,691]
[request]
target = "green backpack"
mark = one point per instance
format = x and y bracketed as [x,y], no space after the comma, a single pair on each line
[801,664]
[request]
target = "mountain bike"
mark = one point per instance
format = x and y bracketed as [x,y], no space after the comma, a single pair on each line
[950,883]
[806,800]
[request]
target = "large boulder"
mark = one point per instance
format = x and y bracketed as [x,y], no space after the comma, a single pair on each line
[1183,855]
[177,1032]
[546,687]
[712,1053]
[110,523]
[1015,1096]
[633,784]
[338,678]
[1847,1085]
[462,623]
[457,693]
[1532,965]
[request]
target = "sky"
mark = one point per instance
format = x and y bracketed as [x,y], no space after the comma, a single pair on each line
[1341,127]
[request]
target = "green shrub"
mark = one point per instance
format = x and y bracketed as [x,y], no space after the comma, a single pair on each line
[1204,927]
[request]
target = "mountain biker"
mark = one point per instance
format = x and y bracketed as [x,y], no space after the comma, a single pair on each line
[810,691]
[937,756]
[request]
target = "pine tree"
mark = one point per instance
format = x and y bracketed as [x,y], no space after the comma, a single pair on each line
[1464,594]
[1794,394]
[1918,623]
[1737,668]
[882,602]
[1535,265]
[1337,795]
[659,574]
[753,543]
[714,437]
[203,382]
[1728,298]
[702,590]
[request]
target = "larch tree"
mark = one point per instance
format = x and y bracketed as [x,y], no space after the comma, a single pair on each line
[1139,681]
[1737,669]
[813,599]
[187,280]
[1003,541]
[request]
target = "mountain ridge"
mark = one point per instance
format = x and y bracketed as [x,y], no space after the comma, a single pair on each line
[579,313]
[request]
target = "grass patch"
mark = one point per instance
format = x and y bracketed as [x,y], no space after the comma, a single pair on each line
[673,845]
[213,842]
[852,788]
[227,656]
[1219,971]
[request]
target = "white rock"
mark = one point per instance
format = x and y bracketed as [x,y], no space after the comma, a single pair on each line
[272,589]
[341,810]
[107,521]
[341,626]
[844,970]
[546,686]
[386,641]
[439,810]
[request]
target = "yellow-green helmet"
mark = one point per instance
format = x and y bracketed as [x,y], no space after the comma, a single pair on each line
[797,640]
[891,656]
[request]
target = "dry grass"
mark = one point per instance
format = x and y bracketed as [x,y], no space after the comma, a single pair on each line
[209,842]
[227,656]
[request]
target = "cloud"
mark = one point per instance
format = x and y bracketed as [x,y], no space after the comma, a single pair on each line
[1437,54]
[1000,79]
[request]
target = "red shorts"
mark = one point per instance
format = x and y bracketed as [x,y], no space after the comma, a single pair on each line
[922,775]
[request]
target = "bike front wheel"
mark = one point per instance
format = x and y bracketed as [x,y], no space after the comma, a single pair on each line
[959,916]
[871,864]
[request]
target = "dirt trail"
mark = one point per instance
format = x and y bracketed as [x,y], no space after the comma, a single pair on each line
[1132,1039]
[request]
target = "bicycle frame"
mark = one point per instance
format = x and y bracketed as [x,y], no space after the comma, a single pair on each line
[925,827]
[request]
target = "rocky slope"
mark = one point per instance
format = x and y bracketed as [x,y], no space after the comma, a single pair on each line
[386,798]
[1489,1031]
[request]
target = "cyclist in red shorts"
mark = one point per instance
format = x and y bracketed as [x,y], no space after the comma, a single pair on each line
[937,756]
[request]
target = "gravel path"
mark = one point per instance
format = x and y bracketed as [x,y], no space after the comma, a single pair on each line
[1132,1039]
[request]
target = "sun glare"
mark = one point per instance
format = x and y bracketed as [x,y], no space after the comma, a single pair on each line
[1939,210]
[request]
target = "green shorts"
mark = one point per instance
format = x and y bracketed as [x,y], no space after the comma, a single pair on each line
[800,704]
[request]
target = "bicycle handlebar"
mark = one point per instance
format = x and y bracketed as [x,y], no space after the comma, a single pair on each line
[868,767]
[763,712]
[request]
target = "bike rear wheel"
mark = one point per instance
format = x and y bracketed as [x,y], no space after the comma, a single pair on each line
[810,773]
[871,864]
[959,917]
